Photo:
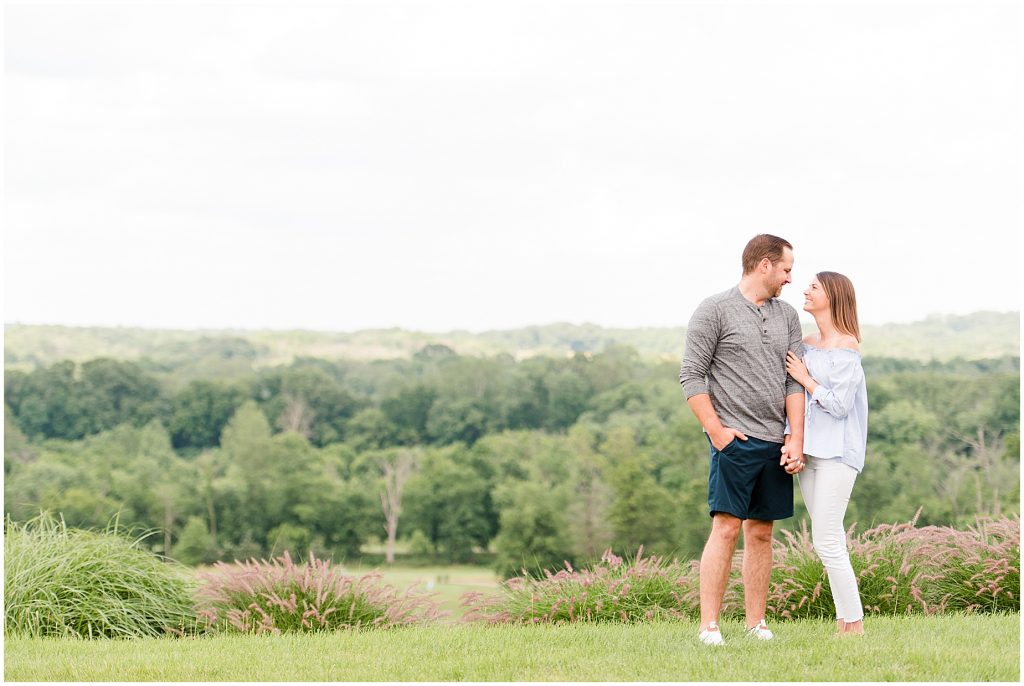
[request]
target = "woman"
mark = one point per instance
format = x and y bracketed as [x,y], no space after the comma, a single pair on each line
[835,432]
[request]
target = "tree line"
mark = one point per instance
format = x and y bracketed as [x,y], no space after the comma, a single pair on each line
[460,458]
[177,355]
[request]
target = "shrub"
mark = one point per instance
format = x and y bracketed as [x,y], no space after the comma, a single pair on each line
[279,596]
[420,545]
[901,569]
[645,589]
[70,582]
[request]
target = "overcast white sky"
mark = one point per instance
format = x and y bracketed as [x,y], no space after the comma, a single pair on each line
[487,165]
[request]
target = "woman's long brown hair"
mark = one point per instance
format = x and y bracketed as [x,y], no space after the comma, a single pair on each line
[842,302]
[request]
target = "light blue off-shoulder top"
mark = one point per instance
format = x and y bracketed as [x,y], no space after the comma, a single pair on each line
[836,417]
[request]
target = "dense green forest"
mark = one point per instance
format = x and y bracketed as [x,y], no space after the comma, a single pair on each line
[516,461]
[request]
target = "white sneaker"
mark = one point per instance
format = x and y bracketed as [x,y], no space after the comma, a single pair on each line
[760,631]
[712,636]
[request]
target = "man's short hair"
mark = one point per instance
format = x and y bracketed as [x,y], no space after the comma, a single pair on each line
[761,246]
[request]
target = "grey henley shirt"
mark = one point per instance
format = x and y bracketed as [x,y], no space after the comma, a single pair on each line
[736,353]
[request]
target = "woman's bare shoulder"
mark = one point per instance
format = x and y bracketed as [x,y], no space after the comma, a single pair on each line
[811,339]
[850,342]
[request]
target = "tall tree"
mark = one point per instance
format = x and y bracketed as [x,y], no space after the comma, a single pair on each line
[201,411]
[296,416]
[642,512]
[396,466]
[446,500]
[114,392]
[534,533]
[249,478]
[588,510]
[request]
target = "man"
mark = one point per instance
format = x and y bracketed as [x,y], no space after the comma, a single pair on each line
[734,377]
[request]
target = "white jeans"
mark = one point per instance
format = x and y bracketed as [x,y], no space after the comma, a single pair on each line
[826,486]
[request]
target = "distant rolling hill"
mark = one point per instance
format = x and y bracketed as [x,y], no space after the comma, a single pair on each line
[981,335]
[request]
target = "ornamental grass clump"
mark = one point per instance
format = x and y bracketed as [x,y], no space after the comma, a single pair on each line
[74,583]
[278,596]
[612,591]
[903,569]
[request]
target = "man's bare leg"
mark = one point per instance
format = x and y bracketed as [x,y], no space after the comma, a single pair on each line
[715,564]
[757,568]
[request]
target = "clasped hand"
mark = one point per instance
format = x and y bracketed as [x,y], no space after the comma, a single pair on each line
[792,458]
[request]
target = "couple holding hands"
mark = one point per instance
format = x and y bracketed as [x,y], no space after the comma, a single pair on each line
[775,404]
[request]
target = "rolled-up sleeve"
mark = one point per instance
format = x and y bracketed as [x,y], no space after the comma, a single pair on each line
[837,398]
[701,340]
[796,346]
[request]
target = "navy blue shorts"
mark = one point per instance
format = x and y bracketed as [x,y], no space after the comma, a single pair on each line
[747,481]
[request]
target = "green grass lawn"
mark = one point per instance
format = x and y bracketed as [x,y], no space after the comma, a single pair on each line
[949,648]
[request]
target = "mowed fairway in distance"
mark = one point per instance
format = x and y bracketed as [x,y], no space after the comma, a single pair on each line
[447,583]
[939,648]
